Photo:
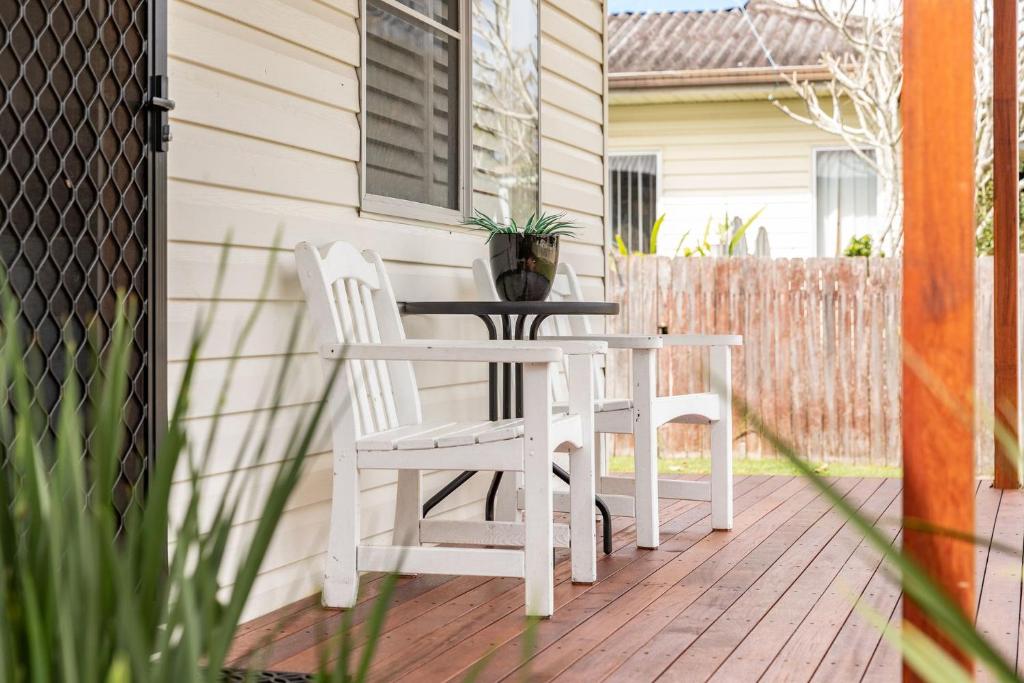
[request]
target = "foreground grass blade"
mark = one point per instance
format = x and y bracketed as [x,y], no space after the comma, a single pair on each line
[921,653]
[86,595]
[917,584]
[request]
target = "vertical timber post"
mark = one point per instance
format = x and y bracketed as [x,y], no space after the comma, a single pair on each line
[938,300]
[1006,198]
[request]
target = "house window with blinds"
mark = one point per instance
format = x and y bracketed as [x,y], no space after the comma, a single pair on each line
[633,179]
[412,128]
[845,197]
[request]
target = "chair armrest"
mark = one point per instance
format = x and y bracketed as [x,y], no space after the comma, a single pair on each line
[615,341]
[576,346]
[702,339]
[447,350]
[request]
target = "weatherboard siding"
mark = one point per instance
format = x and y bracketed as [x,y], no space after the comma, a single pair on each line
[727,157]
[265,154]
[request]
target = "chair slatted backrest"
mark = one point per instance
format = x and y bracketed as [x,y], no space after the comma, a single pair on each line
[351,302]
[566,287]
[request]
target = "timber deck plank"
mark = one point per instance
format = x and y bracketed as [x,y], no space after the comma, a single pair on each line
[773,599]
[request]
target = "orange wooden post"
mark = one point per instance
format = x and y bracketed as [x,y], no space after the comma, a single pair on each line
[938,297]
[1005,228]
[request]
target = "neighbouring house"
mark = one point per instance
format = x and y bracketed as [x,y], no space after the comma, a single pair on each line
[694,134]
[379,122]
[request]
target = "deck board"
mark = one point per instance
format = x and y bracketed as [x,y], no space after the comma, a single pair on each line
[791,627]
[751,558]
[999,602]
[774,599]
[795,637]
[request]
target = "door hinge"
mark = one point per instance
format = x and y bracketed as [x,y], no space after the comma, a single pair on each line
[159,105]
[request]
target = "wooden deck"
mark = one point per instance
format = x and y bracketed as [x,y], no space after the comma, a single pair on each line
[772,600]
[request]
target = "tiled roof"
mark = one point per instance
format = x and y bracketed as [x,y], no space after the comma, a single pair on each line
[723,44]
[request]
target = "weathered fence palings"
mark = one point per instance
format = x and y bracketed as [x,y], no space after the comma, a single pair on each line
[821,355]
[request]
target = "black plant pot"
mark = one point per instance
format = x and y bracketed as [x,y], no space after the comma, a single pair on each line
[523,266]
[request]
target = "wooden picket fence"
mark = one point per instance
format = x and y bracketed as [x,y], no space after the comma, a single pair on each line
[821,357]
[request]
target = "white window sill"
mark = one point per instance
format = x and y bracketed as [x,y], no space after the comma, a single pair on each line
[375,206]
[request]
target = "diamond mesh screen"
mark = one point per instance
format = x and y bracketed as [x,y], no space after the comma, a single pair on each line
[74,188]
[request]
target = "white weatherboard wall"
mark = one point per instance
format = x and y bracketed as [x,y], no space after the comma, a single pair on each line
[736,157]
[266,145]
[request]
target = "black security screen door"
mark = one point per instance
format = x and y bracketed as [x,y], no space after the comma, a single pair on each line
[82,181]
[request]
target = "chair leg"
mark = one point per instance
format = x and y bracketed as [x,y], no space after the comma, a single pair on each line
[645,449]
[341,573]
[408,508]
[506,504]
[721,440]
[581,466]
[539,565]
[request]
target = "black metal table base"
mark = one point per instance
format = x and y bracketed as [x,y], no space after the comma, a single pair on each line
[506,405]
[606,515]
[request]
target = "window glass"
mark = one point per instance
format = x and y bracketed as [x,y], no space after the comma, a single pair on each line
[442,11]
[506,139]
[633,179]
[412,107]
[846,197]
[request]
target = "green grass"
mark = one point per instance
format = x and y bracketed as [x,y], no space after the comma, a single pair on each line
[624,463]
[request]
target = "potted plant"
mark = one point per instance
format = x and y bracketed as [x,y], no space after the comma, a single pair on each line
[524,257]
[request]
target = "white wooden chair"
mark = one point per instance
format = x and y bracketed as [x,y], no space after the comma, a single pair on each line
[642,413]
[377,424]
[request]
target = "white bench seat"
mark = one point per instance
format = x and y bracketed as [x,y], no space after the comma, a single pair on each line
[429,436]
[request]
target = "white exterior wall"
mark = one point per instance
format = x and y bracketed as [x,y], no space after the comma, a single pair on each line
[266,147]
[735,157]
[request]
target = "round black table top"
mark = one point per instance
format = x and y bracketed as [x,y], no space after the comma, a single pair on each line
[509,308]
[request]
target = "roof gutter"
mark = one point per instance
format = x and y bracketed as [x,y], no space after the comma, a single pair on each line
[708,77]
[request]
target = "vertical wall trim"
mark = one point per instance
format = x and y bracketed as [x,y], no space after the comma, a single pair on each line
[157,248]
[604,145]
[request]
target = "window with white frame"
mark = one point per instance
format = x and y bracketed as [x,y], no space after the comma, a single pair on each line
[845,197]
[633,179]
[413,86]
[422,111]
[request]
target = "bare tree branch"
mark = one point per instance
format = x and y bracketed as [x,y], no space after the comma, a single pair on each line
[860,102]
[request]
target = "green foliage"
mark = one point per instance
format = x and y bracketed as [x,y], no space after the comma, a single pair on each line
[652,245]
[859,246]
[738,235]
[546,224]
[731,239]
[81,601]
[679,244]
[623,251]
[655,229]
[984,240]
[703,247]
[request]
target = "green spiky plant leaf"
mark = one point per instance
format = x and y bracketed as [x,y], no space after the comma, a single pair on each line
[652,247]
[679,244]
[544,225]
[703,247]
[87,596]
[738,235]
[917,584]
